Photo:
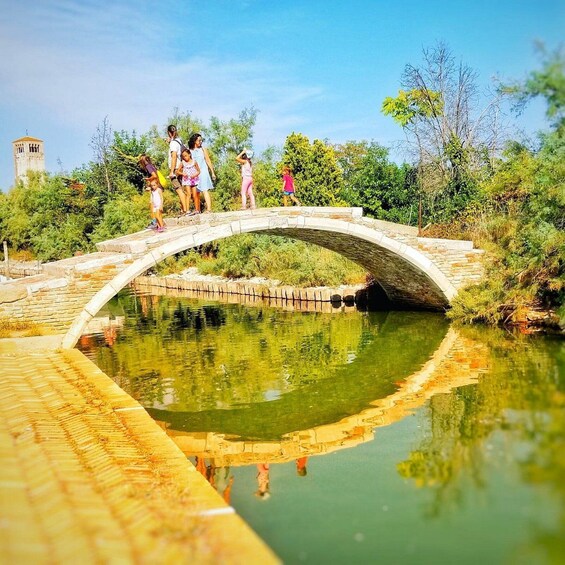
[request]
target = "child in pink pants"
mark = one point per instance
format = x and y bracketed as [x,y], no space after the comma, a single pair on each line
[244,159]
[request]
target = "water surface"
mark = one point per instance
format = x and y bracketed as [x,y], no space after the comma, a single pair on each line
[355,437]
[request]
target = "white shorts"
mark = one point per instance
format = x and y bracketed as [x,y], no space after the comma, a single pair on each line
[156,200]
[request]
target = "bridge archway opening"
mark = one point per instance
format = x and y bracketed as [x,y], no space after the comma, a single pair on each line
[408,278]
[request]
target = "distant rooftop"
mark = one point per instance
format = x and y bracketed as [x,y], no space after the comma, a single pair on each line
[27,138]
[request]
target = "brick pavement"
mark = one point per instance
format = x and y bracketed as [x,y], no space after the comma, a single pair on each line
[88,477]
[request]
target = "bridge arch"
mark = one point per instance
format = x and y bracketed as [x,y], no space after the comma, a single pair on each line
[410,278]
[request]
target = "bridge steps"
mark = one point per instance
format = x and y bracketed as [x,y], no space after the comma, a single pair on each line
[88,477]
[84,263]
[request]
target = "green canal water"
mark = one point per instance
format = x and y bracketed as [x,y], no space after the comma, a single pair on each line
[355,437]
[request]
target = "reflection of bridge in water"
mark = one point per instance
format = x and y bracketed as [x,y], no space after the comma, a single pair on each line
[458,361]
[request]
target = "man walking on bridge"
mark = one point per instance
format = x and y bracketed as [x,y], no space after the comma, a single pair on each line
[175,148]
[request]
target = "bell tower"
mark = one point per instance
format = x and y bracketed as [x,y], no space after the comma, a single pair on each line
[28,156]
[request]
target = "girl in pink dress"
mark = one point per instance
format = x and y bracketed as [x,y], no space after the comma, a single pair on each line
[288,187]
[190,172]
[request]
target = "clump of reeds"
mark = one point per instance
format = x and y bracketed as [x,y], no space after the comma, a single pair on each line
[18,328]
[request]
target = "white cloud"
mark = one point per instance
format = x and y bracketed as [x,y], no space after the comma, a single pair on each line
[83,62]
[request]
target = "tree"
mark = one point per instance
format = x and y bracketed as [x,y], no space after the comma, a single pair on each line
[384,189]
[315,170]
[267,179]
[228,138]
[100,143]
[48,217]
[16,208]
[448,135]
[350,157]
[548,83]
[416,103]
[525,221]
[120,216]
[125,152]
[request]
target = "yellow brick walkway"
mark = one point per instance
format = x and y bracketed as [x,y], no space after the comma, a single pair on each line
[88,477]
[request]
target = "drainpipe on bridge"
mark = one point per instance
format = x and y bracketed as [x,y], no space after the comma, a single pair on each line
[420,216]
[6,260]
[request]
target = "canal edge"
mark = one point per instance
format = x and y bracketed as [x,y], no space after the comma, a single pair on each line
[78,411]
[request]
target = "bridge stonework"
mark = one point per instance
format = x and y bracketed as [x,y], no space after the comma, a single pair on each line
[58,295]
[415,272]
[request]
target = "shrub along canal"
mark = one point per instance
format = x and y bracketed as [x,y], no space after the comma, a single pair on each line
[355,437]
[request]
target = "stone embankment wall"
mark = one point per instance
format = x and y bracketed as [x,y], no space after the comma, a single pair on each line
[18,269]
[263,290]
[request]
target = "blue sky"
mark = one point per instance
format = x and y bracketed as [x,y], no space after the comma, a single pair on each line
[317,67]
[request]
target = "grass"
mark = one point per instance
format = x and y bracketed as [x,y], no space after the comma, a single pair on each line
[19,328]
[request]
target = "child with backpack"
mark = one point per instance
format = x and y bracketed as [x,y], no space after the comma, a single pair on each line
[176,147]
[147,165]
[154,174]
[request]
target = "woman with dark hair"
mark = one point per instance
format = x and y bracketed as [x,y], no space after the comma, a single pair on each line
[207,174]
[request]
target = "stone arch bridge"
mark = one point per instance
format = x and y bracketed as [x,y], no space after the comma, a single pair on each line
[415,272]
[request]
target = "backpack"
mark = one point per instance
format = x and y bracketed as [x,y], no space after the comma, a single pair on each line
[162,179]
[183,147]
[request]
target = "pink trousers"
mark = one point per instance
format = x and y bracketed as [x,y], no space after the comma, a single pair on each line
[247,190]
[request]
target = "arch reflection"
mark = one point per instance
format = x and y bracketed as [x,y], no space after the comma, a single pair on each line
[458,361]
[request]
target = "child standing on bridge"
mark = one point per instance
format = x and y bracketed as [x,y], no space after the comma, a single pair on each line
[244,159]
[148,167]
[288,187]
[190,172]
[157,204]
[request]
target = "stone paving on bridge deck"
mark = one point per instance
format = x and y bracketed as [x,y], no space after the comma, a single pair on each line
[88,477]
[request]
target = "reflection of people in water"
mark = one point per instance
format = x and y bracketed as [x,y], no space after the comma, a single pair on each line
[201,466]
[110,335]
[223,481]
[301,466]
[263,481]
[148,302]
[219,477]
[85,342]
[144,304]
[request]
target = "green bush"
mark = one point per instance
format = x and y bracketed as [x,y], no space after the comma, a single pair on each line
[291,262]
